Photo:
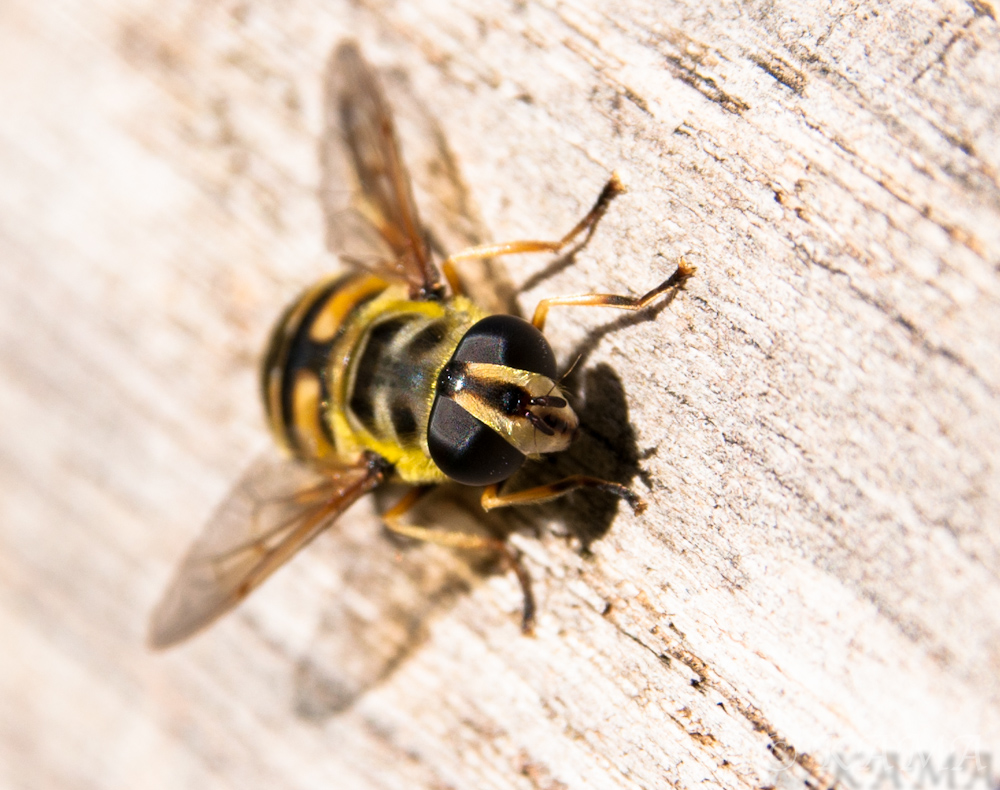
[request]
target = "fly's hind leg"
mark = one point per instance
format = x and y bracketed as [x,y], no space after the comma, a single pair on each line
[676,280]
[585,226]
[393,519]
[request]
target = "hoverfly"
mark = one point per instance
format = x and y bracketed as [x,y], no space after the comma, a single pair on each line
[389,374]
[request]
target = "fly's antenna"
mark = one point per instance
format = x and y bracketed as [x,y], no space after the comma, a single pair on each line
[571,368]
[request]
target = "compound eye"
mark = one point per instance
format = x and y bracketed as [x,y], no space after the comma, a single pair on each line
[510,341]
[464,447]
[467,450]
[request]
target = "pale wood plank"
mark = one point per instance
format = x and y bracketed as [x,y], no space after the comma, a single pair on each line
[815,419]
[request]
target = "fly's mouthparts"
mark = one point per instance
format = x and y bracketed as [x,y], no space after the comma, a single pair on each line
[540,424]
[548,401]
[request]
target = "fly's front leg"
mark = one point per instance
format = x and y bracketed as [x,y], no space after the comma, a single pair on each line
[676,280]
[492,498]
[392,518]
[586,226]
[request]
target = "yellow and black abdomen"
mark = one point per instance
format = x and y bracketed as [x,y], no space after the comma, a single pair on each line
[353,366]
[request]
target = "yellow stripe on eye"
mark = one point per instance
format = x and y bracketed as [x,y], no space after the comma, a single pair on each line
[476,390]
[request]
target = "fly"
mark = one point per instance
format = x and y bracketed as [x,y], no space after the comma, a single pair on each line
[390,373]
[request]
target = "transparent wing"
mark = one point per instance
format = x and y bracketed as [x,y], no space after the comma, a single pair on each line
[277,508]
[371,217]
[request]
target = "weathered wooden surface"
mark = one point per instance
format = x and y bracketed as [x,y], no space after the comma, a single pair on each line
[814,422]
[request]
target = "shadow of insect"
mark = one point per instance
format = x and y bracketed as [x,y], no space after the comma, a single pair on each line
[397,587]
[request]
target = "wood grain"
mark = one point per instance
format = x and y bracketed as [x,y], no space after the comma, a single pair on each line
[814,421]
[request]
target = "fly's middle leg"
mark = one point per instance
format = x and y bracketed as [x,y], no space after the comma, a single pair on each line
[492,498]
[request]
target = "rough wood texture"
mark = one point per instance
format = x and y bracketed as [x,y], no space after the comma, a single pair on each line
[814,422]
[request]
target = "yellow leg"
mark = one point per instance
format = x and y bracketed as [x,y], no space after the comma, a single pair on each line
[492,498]
[675,280]
[587,225]
[462,540]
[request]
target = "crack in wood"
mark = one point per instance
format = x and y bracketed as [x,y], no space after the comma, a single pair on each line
[688,73]
[782,71]
[783,751]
